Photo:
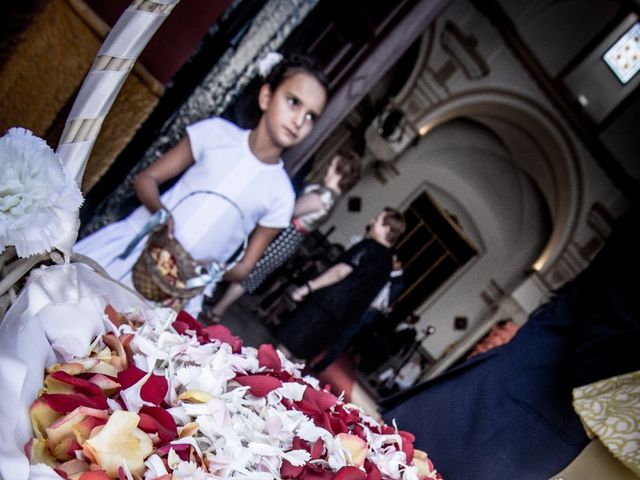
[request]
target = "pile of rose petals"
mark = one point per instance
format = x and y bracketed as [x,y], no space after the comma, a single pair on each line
[162,397]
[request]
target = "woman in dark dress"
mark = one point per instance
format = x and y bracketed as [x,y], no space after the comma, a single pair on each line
[341,294]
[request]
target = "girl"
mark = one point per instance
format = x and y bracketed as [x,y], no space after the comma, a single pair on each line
[243,165]
[311,210]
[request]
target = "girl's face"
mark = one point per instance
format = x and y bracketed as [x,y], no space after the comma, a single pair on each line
[290,111]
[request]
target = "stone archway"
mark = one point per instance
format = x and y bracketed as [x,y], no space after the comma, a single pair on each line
[555,170]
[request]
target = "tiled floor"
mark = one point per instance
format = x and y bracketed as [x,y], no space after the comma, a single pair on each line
[242,320]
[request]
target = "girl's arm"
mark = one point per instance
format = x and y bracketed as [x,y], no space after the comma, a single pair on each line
[169,165]
[308,203]
[330,276]
[260,238]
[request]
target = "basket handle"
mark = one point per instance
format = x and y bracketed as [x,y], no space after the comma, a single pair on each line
[214,265]
[210,271]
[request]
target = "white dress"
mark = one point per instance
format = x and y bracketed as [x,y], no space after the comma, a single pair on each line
[208,226]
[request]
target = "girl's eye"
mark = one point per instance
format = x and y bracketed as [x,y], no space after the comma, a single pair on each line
[293,101]
[310,117]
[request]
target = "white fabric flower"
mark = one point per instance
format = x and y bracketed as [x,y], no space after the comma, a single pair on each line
[266,63]
[39,199]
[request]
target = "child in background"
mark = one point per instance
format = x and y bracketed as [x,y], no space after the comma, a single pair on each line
[311,210]
[340,295]
[243,165]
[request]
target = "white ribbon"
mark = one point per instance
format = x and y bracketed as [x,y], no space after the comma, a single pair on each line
[75,156]
[99,90]
[131,34]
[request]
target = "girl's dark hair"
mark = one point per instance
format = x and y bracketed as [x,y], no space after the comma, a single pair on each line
[291,64]
[245,112]
[348,167]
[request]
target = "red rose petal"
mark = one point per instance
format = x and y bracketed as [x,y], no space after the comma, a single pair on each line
[186,319]
[373,473]
[359,431]
[223,334]
[317,449]
[67,402]
[158,420]
[179,448]
[337,425]
[319,399]
[115,318]
[300,444]
[154,389]
[387,430]
[73,446]
[268,357]
[180,327]
[289,471]
[79,385]
[259,385]
[312,473]
[407,444]
[322,420]
[350,473]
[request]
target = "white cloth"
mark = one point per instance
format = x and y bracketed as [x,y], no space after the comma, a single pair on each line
[56,316]
[408,374]
[381,302]
[208,226]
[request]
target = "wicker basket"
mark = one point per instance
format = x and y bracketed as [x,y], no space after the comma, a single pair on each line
[150,282]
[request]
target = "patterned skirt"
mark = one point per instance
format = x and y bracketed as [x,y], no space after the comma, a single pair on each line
[278,251]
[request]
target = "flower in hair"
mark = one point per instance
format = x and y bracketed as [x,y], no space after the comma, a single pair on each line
[266,63]
[39,199]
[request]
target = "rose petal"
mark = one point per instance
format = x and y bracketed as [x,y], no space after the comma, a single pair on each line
[186,322]
[164,424]
[67,402]
[289,471]
[350,473]
[316,473]
[223,334]
[373,472]
[71,467]
[407,444]
[116,318]
[94,475]
[179,448]
[268,357]
[317,449]
[319,400]
[153,391]
[78,385]
[259,385]
[337,425]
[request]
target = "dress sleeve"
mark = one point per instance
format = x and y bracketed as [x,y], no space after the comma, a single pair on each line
[281,209]
[200,135]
